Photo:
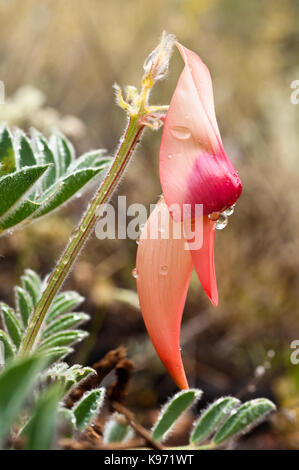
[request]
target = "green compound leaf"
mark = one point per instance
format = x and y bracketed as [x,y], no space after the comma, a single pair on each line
[172,411]
[12,324]
[65,322]
[64,303]
[245,417]
[7,154]
[36,177]
[212,417]
[86,408]
[16,384]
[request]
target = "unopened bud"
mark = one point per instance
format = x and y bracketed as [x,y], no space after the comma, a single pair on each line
[156,64]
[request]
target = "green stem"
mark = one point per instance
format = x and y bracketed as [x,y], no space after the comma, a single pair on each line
[80,235]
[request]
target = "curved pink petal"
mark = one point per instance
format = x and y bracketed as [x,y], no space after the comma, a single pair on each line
[194,168]
[203,260]
[202,81]
[164,269]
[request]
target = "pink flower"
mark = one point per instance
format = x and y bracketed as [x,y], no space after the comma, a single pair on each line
[194,170]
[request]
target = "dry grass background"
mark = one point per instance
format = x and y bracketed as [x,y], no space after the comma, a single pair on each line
[73,51]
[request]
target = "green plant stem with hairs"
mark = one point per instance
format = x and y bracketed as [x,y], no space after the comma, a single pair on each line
[82,232]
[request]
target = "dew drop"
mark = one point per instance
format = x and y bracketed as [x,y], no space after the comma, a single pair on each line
[214,216]
[134,273]
[222,221]
[180,132]
[170,156]
[230,210]
[164,270]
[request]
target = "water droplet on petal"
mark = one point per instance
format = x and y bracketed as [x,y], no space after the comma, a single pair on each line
[169,156]
[222,221]
[180,132]
[230,210]
[164,270]
[214,216]
[135,273]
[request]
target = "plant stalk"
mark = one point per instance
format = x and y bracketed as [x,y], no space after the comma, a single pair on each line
[82,232]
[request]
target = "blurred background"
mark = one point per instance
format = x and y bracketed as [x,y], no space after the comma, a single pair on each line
[58,61]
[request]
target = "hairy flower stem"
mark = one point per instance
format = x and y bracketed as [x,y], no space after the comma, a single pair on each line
[82,232]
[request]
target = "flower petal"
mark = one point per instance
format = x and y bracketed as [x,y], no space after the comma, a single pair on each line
[202,80]
[191,152]
[203,260]
[212,184]
[164,269]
